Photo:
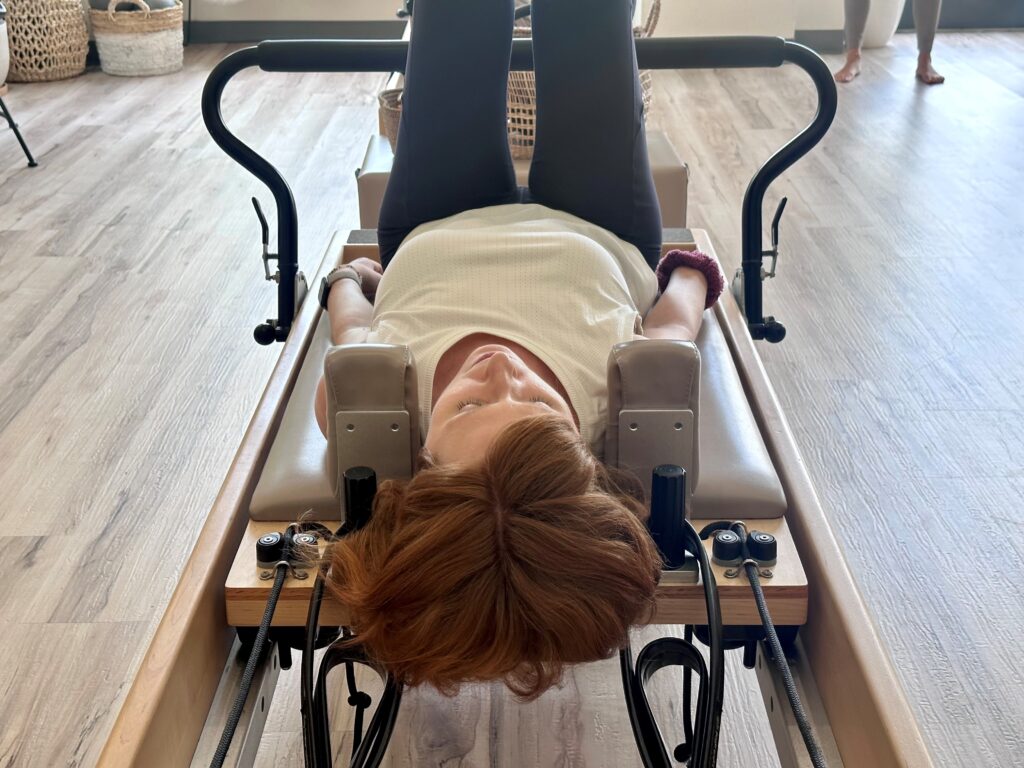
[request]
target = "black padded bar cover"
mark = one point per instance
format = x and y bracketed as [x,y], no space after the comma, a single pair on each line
[390,55]
[332,55]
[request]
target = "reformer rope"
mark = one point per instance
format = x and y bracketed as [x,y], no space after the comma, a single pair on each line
[813,748]
[250,667]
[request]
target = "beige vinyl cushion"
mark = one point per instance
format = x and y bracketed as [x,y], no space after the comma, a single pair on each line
[297,476]
[736,478]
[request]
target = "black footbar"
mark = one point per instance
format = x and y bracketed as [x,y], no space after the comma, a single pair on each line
[390,56]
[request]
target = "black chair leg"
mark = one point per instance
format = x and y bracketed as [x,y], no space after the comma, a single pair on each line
[14,127]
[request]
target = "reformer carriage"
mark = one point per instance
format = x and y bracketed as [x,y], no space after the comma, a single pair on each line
[706,407]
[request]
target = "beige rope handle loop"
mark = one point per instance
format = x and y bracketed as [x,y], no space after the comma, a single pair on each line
[114,3]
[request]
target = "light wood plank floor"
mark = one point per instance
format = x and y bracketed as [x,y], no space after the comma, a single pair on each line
[131,285]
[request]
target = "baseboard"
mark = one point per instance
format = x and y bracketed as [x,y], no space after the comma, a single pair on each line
[255,31]
[821,40]
[973,14]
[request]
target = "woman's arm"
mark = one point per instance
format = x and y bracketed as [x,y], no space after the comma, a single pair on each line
[680,309]
[350,313]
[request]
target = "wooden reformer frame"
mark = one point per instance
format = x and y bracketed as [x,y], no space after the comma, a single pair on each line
[847,680]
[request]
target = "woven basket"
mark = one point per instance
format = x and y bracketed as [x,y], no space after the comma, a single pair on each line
[138,43]
[522,90]
[390,114]
[48,39]
[522,95]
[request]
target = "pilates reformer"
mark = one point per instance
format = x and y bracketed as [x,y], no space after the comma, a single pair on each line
[723,427]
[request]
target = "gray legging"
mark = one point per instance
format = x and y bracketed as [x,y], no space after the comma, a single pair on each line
[590,157]
[926,21]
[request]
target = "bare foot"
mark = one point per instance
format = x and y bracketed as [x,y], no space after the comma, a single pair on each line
[850,69]
[926,72]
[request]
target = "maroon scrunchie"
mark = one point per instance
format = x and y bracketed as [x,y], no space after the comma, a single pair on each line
[698,260]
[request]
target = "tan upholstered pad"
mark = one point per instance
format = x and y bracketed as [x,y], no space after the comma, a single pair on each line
[736,476]
[737,479]
[296,478]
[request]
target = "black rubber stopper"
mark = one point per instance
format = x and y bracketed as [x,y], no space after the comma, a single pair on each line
[360,488]
[270,548]
[264,334]
[668,511]
[762,546]
[727,547]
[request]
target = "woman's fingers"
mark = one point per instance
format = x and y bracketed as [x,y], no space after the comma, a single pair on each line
[369,263]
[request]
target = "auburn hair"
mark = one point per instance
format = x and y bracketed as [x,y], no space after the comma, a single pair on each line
[536,558]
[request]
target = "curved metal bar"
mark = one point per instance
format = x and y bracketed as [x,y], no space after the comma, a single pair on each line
[261,168]
[390,56]
[753,199]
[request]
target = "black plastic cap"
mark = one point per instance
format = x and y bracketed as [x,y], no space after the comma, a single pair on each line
[270,548]
[264,334]
[727,547]
[762,546]
[360,488]
[668,511]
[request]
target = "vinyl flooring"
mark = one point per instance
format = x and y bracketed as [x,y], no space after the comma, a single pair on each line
[131,283]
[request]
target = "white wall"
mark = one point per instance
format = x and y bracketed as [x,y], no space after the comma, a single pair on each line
[819,14]
[701,18]
[693,18]
[306,10]
[678,17]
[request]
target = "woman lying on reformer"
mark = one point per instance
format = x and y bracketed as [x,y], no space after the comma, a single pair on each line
[513,551]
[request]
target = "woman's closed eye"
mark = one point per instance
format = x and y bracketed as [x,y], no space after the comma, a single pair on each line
[466,403]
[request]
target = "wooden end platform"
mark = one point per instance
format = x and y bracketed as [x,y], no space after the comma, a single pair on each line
[678,603]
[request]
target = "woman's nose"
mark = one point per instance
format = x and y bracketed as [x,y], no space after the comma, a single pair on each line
[502,368]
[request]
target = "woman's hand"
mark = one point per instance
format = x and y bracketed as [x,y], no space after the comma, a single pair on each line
[370,272]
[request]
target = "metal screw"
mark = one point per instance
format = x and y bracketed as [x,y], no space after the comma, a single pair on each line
[732,573]
[266,575]
[766,573]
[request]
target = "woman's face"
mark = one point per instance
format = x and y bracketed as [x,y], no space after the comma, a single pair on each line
[493,388]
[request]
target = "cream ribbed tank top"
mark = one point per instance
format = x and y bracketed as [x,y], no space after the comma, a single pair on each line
[562,287]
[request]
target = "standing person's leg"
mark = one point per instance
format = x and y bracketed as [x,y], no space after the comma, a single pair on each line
[590,157]
[452,152]
[856,20]
[926,22]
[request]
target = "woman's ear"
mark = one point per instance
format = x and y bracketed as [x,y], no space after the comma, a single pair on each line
[424,460]
[320,406]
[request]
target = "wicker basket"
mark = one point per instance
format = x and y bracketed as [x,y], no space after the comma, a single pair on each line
[48,39]
[522,90]
[522,95]
[390,114]
[138,43]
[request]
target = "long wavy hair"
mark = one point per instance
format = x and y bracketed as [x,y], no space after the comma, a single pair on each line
[536,558]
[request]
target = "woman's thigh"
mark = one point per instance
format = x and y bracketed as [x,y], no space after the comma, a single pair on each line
[591,157]
[452,152]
